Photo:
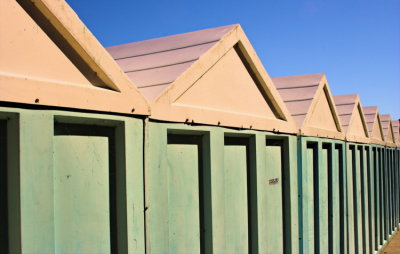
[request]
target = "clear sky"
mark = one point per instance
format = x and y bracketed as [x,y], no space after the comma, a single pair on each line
[356,43]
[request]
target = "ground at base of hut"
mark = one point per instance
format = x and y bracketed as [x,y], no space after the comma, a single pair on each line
[393,247]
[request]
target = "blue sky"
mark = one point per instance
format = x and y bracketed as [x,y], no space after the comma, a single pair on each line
[355,42]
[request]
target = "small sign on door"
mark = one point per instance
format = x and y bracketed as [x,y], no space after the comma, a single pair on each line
[273,181]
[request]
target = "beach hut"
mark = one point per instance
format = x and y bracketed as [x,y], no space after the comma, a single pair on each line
[220,152]
[321,155]
[374,125]
[377,137]
[388,131]
[390,168]
[352,118]
[359,173]
[71,137]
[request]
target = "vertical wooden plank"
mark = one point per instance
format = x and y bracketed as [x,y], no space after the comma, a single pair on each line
[358,198]
[14,178]
[4,236]
[309,166]
[236,196]
[392,192]
[364,198]
[381,198]
[385,196]
[81,194]
[389,192]
[218,189]
[157,190]
[352,202]
[370,199]
[271,220]
[338,201]
[396,185]
[36,182]
[323,212]
[183,198]
[376,197]
[291,160]
[129,152]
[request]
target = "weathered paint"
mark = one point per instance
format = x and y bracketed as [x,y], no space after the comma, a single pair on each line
[322,196]
[82,222]
[58,178]
[237,205]
[244,216]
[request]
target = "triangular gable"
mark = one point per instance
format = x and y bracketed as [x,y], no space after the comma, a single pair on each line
[48,57]
[310,103]
[388,129]
[211,76]
[352,117]
[374,125]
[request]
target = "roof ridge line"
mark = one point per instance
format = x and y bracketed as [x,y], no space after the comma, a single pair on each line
[293,87]
[157,84]
[306,99]
[166,50]
[344,104]
[162,66]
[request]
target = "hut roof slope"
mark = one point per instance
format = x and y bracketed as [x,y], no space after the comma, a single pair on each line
[211,76]
[396,131]
[387,128]
[49,57]
[352,117]
[374,125]
[155,64]
[310,103]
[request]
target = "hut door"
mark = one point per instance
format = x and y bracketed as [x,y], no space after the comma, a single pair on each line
[84,184]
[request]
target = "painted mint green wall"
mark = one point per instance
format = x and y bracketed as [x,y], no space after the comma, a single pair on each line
[59,183]
[176,188]
[323,224]
[81,184]
[231,215]
[236,201]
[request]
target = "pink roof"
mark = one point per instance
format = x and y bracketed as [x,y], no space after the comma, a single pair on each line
[369,114]
[385,120]
[153,65]
[345,105]
[396,130]
[297,92]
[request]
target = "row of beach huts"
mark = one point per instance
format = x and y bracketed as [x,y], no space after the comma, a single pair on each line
[181,144]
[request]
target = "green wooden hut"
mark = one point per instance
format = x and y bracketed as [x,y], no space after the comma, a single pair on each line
[71,137]
[220,155]
[321,163]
